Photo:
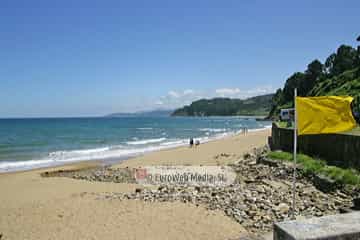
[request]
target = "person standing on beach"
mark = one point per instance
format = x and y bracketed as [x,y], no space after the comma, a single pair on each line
[245,130]
[191,142]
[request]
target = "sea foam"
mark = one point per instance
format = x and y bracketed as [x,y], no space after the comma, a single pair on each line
[146,141]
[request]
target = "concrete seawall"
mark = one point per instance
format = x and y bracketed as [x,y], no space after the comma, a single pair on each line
[335,227]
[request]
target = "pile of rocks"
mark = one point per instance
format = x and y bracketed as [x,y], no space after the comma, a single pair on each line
[261,195]
[99,174]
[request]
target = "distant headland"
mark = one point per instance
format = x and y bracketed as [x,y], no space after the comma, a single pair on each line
[254,106]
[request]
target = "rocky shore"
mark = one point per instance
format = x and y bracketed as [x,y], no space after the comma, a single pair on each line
[260,196]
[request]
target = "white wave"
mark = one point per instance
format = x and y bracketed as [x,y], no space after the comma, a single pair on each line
[63,157]
[213,129]
[260,128]
[146,141]
[78,152]
[22,165]
[175,143]
[145,128]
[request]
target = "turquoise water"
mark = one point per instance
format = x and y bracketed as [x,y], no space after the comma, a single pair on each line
[32,143]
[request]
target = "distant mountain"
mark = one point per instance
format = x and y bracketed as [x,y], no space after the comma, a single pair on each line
[257,106]
[153,113]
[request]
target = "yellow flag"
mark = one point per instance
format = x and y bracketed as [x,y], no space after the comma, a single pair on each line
[328,114]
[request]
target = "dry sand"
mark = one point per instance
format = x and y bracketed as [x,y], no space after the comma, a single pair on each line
[33,207]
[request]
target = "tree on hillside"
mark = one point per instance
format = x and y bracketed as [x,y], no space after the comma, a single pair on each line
[329,63]
[277,98]
[315,68]
[313,72]
[345,59]
[358,57]
[294,81]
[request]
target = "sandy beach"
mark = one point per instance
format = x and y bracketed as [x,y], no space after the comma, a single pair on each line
[34,207]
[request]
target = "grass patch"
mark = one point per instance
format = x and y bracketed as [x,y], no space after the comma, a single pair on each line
[318,166]
[284,124]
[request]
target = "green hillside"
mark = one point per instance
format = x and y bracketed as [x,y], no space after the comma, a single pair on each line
[339,75]
[259,106]
[347,83]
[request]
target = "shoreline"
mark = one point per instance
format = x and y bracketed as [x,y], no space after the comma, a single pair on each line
[118,160]
[36,207]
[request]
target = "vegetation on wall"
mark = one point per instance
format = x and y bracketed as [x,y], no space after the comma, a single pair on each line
[317,166]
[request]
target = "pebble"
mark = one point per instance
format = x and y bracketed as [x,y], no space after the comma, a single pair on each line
[283,208]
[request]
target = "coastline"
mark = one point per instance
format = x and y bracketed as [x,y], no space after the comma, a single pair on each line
[35,207]
[119,159]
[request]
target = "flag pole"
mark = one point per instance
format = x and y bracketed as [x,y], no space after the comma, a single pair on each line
[295,147]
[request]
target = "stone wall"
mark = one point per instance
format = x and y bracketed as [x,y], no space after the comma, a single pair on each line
[342,150]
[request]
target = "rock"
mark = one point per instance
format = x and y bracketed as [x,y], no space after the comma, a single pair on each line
[249,180]
[225,155]
[318,214]
[300,217]
[324,184]
[283,208]
[344,210]
[269,162]
[247,156]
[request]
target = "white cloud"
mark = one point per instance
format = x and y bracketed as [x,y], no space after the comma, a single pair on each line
[178,98]
[188,91]
[159,102]
[227,91]
[178,94]
[173,94]
[237,93]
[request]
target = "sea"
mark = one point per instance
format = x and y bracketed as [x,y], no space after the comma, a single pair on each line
[34,143]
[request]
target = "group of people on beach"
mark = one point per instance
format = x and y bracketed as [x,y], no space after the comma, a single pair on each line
[192,142]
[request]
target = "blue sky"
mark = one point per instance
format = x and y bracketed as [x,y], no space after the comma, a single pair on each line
[89,58]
